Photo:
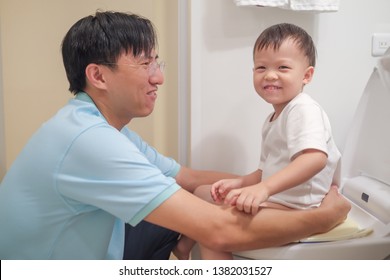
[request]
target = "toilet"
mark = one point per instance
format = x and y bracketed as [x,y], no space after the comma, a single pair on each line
[365,182]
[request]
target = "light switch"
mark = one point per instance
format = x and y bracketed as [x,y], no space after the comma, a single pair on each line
[380,43]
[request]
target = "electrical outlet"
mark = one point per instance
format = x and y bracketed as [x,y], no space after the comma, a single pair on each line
[380,43]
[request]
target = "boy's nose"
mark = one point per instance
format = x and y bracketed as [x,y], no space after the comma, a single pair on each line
[271,75]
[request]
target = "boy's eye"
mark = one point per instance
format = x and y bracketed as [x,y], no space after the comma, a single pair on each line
[260,68]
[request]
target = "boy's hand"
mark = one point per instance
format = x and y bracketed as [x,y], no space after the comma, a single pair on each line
[247,199]
[220,189]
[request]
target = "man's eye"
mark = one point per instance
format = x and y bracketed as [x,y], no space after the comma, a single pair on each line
[145,64]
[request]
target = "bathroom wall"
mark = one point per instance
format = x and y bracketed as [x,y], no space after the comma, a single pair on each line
[2,136]
[33,84]
[227,114]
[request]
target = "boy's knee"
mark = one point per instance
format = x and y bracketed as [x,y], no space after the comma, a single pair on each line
[203,192]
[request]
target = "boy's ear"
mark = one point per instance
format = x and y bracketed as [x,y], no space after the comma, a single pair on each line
[308,75]
[95,76]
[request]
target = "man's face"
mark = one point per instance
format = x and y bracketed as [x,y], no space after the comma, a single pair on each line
[132,86]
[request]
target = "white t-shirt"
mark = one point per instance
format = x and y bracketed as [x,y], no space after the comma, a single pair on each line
[302,124]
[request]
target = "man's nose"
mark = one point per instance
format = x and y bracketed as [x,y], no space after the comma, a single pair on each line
[157,77]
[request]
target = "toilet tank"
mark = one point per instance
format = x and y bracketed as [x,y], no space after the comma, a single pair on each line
[366,157]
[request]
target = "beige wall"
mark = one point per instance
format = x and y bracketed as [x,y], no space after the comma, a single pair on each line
[34,84]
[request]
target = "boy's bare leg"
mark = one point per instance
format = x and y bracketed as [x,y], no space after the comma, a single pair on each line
[203,192]
[333,199]
[206,254]
[184,246]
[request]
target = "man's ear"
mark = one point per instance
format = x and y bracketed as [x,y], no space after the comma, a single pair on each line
[308,75]
[95,76]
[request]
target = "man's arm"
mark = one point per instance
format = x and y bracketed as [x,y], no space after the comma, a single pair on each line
[227,229]
[189,179]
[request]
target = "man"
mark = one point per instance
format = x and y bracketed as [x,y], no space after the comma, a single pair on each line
[84,173]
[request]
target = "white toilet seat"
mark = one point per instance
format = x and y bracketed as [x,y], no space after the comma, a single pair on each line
[372,247]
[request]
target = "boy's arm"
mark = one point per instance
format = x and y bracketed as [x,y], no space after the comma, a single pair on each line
[227,229]
[301,169]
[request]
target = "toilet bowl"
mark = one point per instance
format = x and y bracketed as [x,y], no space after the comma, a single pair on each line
[365,182]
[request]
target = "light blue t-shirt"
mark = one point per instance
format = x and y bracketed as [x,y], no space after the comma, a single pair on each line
[75,179]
